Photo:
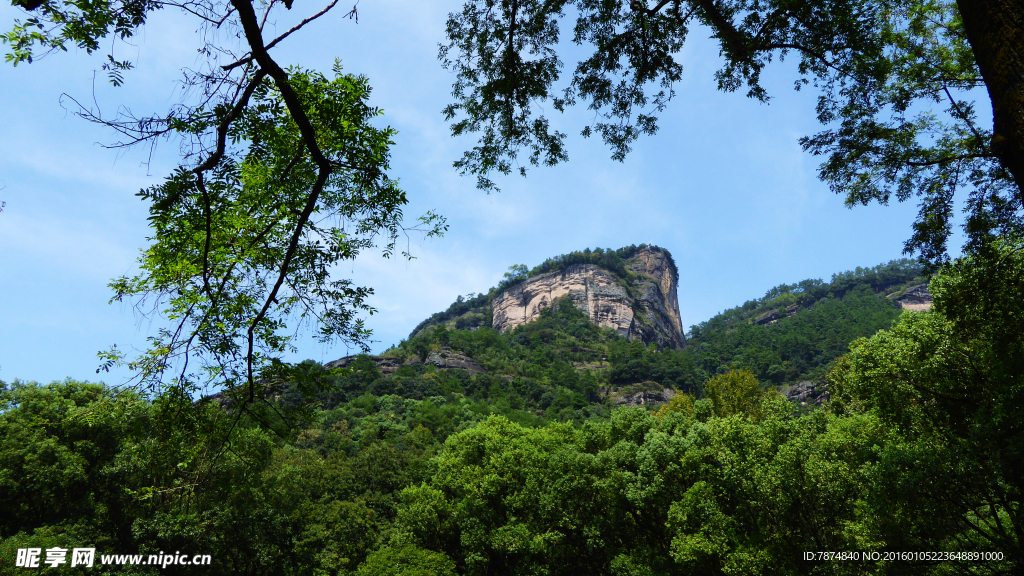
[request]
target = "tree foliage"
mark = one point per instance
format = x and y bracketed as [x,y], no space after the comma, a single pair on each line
[240,249]
[284,175]
[437,472]
[898,90]
[951,383]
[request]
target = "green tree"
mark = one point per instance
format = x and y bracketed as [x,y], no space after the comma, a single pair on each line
[681,492]
[246,231]
[735,392]
[899,89]
[950,383]
[406,561]
[88,465]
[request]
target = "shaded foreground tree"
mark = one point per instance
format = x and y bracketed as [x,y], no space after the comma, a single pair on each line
[284,175]
[899,90]
[950,385]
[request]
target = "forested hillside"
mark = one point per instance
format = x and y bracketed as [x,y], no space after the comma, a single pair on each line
[791,334]
[796,330]
[436,471]
[555,447]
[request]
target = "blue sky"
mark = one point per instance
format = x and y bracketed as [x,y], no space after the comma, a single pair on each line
[723,185]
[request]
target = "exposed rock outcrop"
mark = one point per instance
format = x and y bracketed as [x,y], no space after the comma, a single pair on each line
[645,398]
[644,307]
[641,394]
[444,359]
[916,298]
[773,316]
[657,314]
[593,290]
[387,366]
[448,358]
[807,393]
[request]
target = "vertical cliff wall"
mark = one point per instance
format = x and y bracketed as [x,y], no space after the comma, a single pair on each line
[641,306]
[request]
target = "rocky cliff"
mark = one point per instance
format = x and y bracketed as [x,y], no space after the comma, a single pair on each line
[916,298]
[443,359]
[641,306]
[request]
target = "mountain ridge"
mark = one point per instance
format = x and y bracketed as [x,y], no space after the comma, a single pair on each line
[562,363]
[631,289]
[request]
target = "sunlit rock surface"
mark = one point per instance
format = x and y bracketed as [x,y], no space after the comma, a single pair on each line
[642,307]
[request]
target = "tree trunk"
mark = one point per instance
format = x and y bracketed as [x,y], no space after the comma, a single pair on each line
[995,30]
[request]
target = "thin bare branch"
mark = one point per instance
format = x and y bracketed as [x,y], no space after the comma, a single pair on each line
[948,160]
[225,123]
[293,29]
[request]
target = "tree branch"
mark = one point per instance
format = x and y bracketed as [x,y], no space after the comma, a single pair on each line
[225,123]
[801,48]
[640,6]
[247,16]
[733,40]
[295,28]
[950,159]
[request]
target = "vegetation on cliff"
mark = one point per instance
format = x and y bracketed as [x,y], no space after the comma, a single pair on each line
[474,310]
[612,260]
[816,322]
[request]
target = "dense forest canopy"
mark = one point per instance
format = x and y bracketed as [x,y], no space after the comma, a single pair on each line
[435,471]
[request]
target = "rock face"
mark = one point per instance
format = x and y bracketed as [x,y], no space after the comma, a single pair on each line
[807,393]
[387,366]
[916,298]
[644,398]
[773,316]
[445,359]
[646,393]
[644,307]
[658,317]
[448,358]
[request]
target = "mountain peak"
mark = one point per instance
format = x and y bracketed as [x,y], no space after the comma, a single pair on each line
[635,296]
